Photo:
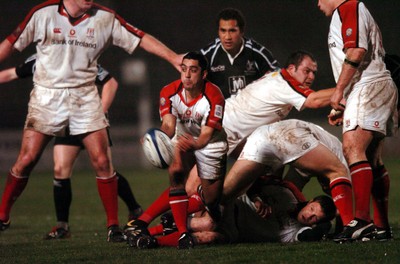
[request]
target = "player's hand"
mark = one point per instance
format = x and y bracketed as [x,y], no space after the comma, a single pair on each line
[262,209]
[337,100]
[186,143]
[335,117]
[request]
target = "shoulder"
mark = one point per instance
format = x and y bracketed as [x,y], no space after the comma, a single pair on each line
[348,8]
[213,92]
[215,44]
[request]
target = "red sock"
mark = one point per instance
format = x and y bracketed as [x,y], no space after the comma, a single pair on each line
[13,189]
[361,177]
[195,204]
[178,201]
[159,206]
[156,230]
[109,196]
[170,240]
[342,195]
[380,197]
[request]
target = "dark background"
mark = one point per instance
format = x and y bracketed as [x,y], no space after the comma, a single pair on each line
[280,25]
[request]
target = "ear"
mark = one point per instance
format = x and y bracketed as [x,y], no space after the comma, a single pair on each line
[204,76]
[291,68]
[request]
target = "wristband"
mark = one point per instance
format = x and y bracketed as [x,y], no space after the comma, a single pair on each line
[352,63]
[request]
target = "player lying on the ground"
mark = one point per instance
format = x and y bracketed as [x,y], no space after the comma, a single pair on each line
[292,219]
[304,146]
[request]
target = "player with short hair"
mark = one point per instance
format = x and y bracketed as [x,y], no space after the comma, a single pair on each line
[70,36]
[370,114]
[66,150]
[191,109]
[292,219]
[306,147]
[235,60]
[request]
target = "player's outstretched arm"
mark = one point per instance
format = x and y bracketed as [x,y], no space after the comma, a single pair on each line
[156,47]
[108,93]
[6,49]
[8,75]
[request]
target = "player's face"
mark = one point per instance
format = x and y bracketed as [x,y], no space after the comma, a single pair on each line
[311,214]
[325,7]
[230,35]
[191,75]
[305,72]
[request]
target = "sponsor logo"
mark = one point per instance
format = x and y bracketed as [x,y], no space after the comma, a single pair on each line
[236,83]
[57,30]
[218,68]
[376,124]
[332,45]
[72,32]
[218,111]
[306,145]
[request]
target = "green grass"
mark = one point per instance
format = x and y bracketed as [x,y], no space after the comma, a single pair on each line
[33,215]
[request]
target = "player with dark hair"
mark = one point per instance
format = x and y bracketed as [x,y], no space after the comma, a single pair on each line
[191,109]
[66,150]
[292,219]
[367,96]
[235,60]
[69,37]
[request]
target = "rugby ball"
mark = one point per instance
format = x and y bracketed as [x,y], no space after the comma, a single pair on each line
[158,148]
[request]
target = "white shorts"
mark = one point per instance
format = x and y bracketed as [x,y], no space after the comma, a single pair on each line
[372,107]
[53,111]
[270,146]
[210,160]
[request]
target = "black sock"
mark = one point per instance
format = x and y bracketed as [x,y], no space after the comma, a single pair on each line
[125,193]
[62,198]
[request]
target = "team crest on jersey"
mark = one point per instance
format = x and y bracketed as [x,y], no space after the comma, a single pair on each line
[349,31]
[250,66]
[218,111]
[162,101]
[90,32]
[72,33]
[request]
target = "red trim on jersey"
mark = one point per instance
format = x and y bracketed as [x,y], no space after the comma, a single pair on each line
[216,100]
[296,192]
[297,86]
[166,93]
[348,13]
[17,32]
[129,27]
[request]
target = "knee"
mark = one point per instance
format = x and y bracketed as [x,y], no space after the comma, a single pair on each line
[102,163]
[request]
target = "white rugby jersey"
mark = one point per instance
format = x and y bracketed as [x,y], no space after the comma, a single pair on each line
[67,52]
[267,100]
[206,110]
[352,26]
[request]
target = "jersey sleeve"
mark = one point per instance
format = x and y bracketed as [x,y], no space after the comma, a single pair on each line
[265,60]
[166,93]
[354,25]
[125,35]
[217,105]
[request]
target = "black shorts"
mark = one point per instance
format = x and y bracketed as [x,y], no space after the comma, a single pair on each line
[76,141]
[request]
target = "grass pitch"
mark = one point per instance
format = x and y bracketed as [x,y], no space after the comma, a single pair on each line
[33,215]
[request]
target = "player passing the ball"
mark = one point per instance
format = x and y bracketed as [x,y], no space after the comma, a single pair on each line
[191,110]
